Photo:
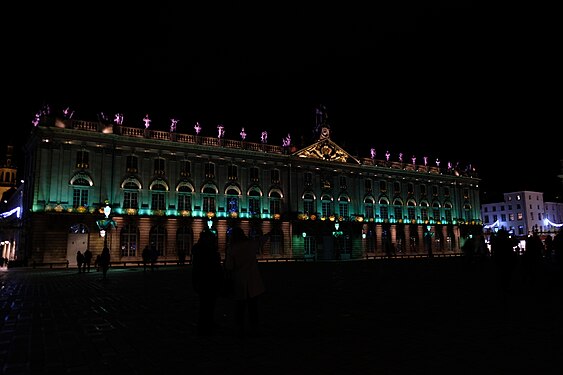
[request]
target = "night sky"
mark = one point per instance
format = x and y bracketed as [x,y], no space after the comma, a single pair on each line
[462,82]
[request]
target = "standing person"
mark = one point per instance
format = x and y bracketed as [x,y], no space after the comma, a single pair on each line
[153,256]
[87,260]
[104,261]
[146,256]
[207,276]
[248,285]
[504,258]
[79,260]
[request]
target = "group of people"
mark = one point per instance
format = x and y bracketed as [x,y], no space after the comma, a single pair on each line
[150,256]
[210,277]
[84,260]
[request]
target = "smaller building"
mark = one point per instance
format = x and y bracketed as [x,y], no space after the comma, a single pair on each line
[522,213]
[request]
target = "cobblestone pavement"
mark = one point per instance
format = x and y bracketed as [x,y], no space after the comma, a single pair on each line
[382,316]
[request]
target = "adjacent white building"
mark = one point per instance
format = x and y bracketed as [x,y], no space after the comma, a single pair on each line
[523,212]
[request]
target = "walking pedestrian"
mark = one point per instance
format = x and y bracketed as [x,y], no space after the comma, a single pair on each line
[248,284]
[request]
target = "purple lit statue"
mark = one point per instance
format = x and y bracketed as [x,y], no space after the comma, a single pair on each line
[197,128]
[264,137]
[147,121]
[220,131]
[173,123]
[243,134]
[118,119]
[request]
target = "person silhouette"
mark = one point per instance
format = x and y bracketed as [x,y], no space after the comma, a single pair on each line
[79,260]
[241,261]
[105,262]
[87,260]
[207,274]
[504,258]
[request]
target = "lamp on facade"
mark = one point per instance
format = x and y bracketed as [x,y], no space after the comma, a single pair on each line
[106,224]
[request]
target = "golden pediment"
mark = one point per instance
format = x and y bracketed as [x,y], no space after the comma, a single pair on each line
[325,149]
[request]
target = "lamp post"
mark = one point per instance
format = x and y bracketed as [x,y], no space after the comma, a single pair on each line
[106,224]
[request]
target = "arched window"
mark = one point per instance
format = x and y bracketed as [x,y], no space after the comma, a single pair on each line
[184,240]
[369,203]
[81,185]
[309,206]
[158,199]
[131,189]
[128,240]
[209,198]
[232,199]
[326,205]
[254,197]
[343,203]
[275,202]
[157,236]
[185,191]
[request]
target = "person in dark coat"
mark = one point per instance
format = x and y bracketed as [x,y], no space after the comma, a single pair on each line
[504,257]
[207,277]
[79,260]
[248,284]
[87,260]
[105,261]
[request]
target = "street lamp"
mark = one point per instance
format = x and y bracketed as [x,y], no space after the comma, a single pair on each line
[106,224]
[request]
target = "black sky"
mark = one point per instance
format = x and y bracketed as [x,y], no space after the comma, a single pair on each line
[463,82]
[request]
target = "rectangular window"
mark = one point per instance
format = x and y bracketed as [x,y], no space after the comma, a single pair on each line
[343,183]
[130,199]
[186,169]
[80,198]
[520,216]
[157,201]
[254,205]
[131,164]
[159,167]
[343,209]
[511,217]
[208,204]
[232,172]
[275,206]
[184,202]
[326,208]
[275,175]
[254,174]
[424,214]
[369,210]
[398,212]
[209,170]
[486,218]
[309,245]
[367,185]
[411,213]
[308,206]
[384,212]
[82,159]
[503,217]
[308,177]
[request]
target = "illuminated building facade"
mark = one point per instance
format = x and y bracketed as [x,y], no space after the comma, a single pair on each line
[315,201]
[521,213]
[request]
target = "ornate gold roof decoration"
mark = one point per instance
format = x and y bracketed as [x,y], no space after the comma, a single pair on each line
[325,149]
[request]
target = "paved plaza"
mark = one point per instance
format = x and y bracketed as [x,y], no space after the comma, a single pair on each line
[384,316]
